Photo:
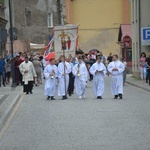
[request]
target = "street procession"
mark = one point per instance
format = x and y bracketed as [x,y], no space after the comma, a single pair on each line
[69,68]
[74,75]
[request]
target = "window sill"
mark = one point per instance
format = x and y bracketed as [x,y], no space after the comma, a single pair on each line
[50,27]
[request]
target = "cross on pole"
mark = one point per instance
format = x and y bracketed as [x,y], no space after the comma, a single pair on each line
[63,47]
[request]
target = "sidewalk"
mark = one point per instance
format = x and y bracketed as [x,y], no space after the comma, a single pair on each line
[137,83]
[8,99]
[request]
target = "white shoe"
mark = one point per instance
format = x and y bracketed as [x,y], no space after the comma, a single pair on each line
[80,97]
[83,95]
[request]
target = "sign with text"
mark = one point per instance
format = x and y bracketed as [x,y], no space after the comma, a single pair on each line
[65,40]
[145,36]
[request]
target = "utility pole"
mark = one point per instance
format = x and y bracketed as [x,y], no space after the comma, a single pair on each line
[140,47]
[26,30]
[11,44]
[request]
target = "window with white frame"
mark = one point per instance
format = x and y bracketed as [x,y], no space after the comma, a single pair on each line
[50,20]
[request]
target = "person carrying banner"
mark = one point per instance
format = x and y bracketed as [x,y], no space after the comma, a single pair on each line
[64,69]
[98,70]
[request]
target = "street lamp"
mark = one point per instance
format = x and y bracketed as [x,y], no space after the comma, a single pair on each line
[11,44]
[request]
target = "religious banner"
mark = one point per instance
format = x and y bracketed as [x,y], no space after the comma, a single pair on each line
[65,40]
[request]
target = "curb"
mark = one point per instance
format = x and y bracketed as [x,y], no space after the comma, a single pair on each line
[8,111]
[138,86]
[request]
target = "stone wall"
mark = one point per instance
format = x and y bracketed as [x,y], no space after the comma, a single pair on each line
[37,30]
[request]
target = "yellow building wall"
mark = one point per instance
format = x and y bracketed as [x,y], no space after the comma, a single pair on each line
[99,24]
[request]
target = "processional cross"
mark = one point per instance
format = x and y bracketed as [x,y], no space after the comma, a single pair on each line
[63,47]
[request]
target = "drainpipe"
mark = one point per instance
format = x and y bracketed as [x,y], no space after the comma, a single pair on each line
[140,27]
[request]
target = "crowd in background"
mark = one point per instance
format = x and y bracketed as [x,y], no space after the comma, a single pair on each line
[39,64]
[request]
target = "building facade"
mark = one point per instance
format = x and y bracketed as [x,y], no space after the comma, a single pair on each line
[99,22]
[140,19]
[33,21]
[3,31]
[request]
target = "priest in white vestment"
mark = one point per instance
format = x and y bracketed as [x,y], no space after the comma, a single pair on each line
[28,74]
[98,70]
[116,69]
[64,68]
[81,74]
[50,74]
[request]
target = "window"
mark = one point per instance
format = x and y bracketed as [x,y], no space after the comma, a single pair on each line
[50,20]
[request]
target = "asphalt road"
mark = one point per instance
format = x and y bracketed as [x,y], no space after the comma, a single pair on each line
[87,124]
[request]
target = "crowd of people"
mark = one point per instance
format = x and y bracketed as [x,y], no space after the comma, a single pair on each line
[74,73]
[71,74]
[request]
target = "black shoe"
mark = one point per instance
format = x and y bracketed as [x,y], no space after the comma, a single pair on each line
[64,97]
[31,92]
[48,97]
[4,84]
[120,95]
[69,94]
[99,97]
[116,96]
[52,98]
[27,92]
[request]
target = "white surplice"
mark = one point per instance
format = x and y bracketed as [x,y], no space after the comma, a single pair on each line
[62,88]
[50,82]
[80,81]
[29,76]
[98,78]
[116,77]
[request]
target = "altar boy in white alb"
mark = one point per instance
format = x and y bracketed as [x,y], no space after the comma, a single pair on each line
[64,68]
[50,74]
[116,69]
[81,74]
[98,70]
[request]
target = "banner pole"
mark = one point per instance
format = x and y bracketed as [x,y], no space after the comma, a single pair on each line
[64,72]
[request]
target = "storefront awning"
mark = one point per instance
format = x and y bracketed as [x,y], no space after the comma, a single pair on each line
[125,29]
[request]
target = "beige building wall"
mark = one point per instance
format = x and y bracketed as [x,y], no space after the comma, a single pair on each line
[99,22]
